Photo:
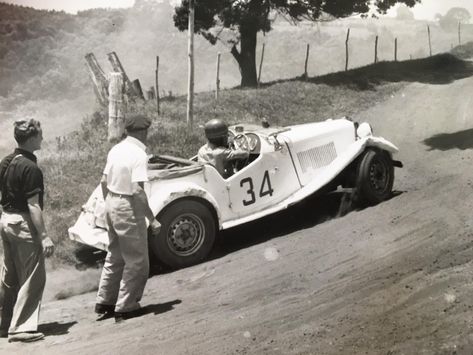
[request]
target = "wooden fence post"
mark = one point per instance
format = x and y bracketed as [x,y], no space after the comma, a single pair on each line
[395,49]
[459,34]
[137,88]
[157,84]
[346,49]
[190,51]
[217,80]
[151,93]
[261,65]
[430,44]
[116,107]
[376,50]
[306,75]
[98,78]
[117,67]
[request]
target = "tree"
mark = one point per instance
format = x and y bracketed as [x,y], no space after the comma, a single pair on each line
[245,18]
[450,21]
[403,13]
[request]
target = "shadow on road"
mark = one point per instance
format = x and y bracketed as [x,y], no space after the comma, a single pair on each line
[88,256]
[306,214]
[160,307]
[446,141]
[55,328]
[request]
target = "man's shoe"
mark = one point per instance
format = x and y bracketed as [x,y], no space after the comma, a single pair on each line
[121,316]
[104,311]
[103,316]
[26,337]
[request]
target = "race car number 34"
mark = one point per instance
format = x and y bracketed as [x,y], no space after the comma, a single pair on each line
[264,190]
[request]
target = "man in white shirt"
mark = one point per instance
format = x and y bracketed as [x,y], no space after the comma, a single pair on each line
[126,267]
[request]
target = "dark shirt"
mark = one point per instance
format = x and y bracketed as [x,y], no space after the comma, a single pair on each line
[20,179]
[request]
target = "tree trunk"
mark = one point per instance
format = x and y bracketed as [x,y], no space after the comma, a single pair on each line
[246,58]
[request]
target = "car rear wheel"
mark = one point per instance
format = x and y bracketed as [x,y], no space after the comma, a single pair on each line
[187,234]
[375,177]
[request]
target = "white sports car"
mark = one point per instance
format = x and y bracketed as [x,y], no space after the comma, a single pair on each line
[285,165]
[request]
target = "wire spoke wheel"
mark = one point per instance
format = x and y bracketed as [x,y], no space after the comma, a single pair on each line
[186,234]
[379,176]
[375,176]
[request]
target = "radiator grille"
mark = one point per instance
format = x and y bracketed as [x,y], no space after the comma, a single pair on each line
[317,157]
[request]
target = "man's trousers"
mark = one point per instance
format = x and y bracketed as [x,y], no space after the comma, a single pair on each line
[23,274]
[126,267]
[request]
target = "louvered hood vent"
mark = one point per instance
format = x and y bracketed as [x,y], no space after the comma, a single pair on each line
[317,157]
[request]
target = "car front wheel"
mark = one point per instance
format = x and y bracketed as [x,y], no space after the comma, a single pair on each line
[375,177]
[187,234]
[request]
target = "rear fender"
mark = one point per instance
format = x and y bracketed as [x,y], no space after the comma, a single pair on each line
[164,197]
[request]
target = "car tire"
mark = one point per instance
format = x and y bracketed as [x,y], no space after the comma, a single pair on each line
[187,234]
[375,177]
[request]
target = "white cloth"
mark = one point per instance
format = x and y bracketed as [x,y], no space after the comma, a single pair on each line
[127,163]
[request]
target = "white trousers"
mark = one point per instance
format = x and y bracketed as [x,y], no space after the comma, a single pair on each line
[126,267]
[23,274]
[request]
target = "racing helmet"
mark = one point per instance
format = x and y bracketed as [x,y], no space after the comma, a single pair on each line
[215,129]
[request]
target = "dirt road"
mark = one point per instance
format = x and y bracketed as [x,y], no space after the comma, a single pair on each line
[396,278]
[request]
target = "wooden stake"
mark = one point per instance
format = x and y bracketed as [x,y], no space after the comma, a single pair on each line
[98,78]
[157,84]
[346,49]
[151,94]
[116,107]
[261,65]
[217,80]
[459,34]
[376,50]
[395,49]
[430,45]
[190,92]
[118,68]
[306,61]
[137,88]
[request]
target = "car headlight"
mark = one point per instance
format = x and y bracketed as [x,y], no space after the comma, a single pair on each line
[364,130]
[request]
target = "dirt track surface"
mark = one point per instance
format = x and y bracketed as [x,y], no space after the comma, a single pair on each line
[391,279]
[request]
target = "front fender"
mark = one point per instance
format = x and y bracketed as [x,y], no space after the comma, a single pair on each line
[162,195]
[377,142]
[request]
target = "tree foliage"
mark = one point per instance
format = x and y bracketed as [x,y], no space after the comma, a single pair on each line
[245,18]
[450,21]
[403,13]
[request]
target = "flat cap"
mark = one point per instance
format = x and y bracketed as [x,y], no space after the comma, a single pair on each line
[137,122]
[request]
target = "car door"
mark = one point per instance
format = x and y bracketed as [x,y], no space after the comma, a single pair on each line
[265,182]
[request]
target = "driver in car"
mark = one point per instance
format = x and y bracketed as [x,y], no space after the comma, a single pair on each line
[217,151]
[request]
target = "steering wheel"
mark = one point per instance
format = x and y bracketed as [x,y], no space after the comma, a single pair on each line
[242,142]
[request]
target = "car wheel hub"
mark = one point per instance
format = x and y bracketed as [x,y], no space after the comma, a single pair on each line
[378,176]
[186,234]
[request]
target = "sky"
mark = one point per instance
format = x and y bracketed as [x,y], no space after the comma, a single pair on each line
[425,11]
